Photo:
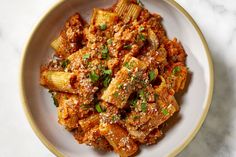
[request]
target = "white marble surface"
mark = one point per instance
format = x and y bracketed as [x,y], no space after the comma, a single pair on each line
[217,19]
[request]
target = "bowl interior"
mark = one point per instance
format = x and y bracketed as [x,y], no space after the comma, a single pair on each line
[40,105]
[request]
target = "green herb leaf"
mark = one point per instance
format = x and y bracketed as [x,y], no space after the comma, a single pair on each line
[136,117]
[140,3]
[152,75]
[105,49]
[93,76]
[116,94]
[106,81]
[115,118]
[105,52]
[103,27]
[86,56]
[143,107]
[53,95]
[55,101]
[126,64]
[134,102]
[128,47]
[165,111]
[120,86]
[156,96]
[142,95]
[176,70]
[98,108]
[142,37]
[144,83]
[65,63]
[108,72]
[141,28]
[109,41]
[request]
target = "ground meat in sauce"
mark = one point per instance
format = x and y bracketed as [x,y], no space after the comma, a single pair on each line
[136,98]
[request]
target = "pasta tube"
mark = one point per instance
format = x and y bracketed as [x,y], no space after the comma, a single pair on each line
[118,139]
[101,17]
[57,43]
[124,84]
[63,48]
[89,122]
[127,10]
[121,7]
[94,138]
[58,81]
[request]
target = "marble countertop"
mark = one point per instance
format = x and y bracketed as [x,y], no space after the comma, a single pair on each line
[216,18]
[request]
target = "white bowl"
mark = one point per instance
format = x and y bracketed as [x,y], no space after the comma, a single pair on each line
[42,113]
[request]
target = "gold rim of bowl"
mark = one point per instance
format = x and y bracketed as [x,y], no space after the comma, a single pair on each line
[179,148]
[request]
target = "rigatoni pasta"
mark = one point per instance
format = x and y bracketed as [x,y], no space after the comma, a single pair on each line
[118,139]
[102,17]
[127,10]
[89,122]
[114,80]
[125,82]
[58,81]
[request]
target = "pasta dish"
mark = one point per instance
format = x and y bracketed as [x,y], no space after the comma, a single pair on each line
[114,79]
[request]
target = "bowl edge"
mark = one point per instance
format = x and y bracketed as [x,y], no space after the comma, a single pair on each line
[188,139]
[27,112]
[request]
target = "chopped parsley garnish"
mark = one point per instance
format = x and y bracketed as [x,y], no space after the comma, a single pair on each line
[116,94]
[126,64]
[54,98]
[152,75]
[107,78]
[144,83]
[55,101]
[143,107]
[109,41]
[165,111]
[132,63]
[108,72]
[120,86]
[65,63]
[141,28]
[140,3]
[105,49]
[133,78]
[133,102]
[156,96]
[142,95]
[106,81]
[103,27]
[86,56]
[142,37]
[136,117]
[128,47]
[115,118]
[176,70]
[93,76]
[98,108]
[105,52]
[129,65]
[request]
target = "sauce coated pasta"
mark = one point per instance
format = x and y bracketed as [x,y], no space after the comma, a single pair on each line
[114,79]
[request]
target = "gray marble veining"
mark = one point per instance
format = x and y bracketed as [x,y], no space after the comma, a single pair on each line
[218,134]
[216,18]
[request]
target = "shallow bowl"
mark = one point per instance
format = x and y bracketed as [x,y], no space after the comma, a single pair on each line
[194,102]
